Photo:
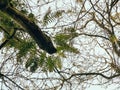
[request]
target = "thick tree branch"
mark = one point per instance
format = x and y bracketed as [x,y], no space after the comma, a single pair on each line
[43,41]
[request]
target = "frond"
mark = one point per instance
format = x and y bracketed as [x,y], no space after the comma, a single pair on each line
[62,40]
[49,17]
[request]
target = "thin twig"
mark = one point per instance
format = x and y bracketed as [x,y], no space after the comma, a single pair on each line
[2,75]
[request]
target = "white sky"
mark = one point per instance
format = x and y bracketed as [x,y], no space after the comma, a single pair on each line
[111,87]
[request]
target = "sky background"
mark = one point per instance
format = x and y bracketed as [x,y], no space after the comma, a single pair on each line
[111,87]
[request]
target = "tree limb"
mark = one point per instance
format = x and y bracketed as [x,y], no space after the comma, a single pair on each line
[7,40]
[113,3]
[43,41]
[90,35]
[98,74]
[2,75]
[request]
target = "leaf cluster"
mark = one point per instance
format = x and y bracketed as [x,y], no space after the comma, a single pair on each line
[27,50]
[26,47]
[49,17]
[46,63]
[63,40]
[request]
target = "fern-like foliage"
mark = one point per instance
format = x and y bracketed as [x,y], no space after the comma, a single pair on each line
[49,17]
[47,63]
[27,48]
[27,51]
[63,40]
[32,63]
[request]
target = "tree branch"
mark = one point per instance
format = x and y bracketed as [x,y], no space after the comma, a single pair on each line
[113,3]
[93,35]
[7,40]
[2,75]
[43,41]
[98,74]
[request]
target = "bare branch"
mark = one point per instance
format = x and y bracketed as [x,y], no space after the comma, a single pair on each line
[91,35]
[98,74]
[2,75]
[113,3]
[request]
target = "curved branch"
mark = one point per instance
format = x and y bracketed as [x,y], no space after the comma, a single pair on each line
[98,74]
[93,35]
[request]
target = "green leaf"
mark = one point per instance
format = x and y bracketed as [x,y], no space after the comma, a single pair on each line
[24,11]
[31,17]
[58,13]
[49,17]
[42,59]
[32,63]
[113,38]
[34,67]
[28,63]
[58,63]
[24,48]
[61,40]
[50,64]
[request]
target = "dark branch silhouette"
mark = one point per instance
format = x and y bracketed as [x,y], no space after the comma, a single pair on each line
[43,41]
[7,40]
[113,3]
